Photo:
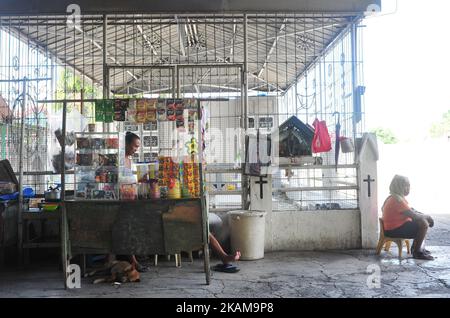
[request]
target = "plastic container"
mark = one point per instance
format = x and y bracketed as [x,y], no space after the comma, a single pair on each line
[175,190]
[248,233]
[154,191]
[50,207]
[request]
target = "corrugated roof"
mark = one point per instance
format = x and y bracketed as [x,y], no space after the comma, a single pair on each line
[280,47]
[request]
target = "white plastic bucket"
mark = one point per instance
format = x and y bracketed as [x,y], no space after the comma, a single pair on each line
[247,233]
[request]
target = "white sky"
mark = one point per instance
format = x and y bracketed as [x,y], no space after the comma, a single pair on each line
[407,66]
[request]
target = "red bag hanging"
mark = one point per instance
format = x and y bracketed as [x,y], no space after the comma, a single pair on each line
[321,141]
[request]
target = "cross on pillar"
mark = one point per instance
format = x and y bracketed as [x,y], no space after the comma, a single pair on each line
[261,183]
[369,180]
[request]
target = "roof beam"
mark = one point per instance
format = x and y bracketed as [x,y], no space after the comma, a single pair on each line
[274,44]
[27,7]
[180,35]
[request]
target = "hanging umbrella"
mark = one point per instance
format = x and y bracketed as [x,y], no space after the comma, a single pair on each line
[338,137]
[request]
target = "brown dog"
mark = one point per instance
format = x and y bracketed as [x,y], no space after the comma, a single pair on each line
[117,271]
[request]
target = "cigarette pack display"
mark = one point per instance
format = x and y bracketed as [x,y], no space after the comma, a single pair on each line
[108,160]
[151,126]
[112,143]
[83,143]
[84,159]
[96,173]
[129,126]
[97,143]
[150,141]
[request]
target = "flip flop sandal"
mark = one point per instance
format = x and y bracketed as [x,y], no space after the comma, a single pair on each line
[226,268]
[423,256]
[425,251]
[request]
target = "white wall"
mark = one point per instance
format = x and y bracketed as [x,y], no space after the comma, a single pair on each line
[317,230]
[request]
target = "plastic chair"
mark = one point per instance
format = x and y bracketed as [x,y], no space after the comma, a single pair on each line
[388,240]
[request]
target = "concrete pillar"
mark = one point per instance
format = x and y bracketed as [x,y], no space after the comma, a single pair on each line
[263,204]
[367,158]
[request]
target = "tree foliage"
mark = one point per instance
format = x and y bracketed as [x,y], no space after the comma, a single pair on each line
[70,86]
[385,135]
[441,128]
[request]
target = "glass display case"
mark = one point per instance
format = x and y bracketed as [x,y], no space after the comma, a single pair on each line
[97,166]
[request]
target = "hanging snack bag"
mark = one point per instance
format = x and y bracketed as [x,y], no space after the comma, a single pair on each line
[141,104]
[171,110]
[99,113]
[108,109]
[151,115]
[161,109]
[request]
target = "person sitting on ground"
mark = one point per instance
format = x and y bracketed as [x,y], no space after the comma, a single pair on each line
[224,257]
[402,221]
[215,224]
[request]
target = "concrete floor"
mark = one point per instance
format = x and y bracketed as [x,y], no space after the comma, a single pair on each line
[280,274]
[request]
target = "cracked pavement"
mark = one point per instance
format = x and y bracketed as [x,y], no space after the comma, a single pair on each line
[306,274]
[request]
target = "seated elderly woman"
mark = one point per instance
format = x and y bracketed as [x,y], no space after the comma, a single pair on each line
[402,221]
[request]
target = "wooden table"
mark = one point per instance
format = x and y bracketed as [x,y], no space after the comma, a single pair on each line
[140,227]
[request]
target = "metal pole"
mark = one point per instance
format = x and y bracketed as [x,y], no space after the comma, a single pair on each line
[105,67]
[3,139]
[245,79]
[357,113]
[174,81]
[21,140]
[245,179]
[63,152]
[63,224]
[82,101]
[354,122]
[177,70]
[204,208]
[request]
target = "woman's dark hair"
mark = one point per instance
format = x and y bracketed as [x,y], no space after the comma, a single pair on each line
[130,137]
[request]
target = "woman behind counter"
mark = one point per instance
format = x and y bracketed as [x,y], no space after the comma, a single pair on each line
[132,144]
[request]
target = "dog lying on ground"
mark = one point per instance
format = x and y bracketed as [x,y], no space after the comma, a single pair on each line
[116,271]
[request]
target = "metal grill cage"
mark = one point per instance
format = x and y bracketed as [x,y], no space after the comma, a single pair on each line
[260,67]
